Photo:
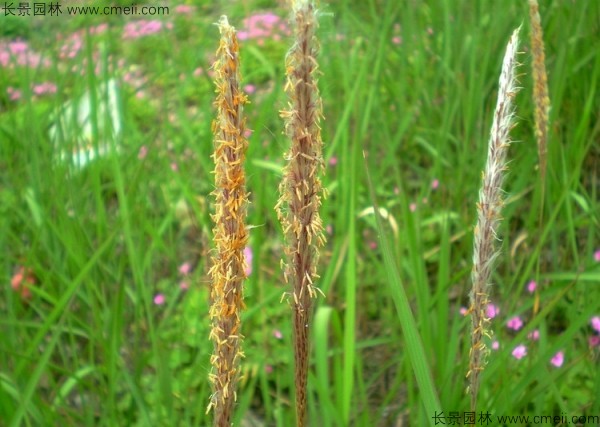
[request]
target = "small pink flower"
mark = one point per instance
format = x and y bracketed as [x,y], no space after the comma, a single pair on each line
[184,9]
[250,89]
[495,345]
[248,257]
[558,359]
[397,40]
[534,335]
[435,184]
[143,152]
[597,256]
[185,268]
[373,245]
[329,229]
[277,334]
[268,369]
[22,281]
[519,352]
[531,286]
[44,88]
[159,299]
[247,133]
[18,46]
[594,341]
[198,72]
[333,161]
[412,207]
[174,167]
[595,322]
[184,285]
[463,311]
[515,323]
[13,94]
[491,311]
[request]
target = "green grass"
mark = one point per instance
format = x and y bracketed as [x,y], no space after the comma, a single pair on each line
[90,347]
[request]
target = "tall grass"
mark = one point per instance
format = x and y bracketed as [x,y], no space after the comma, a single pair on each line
[114,254]
[230,233]
[298,206]
[489,213]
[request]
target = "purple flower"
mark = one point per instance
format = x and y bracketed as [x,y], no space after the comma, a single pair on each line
[159,299]
[597,256]
[519,352]
[185,268]
[491,311]
[248,256]
[515,323]
[558,359]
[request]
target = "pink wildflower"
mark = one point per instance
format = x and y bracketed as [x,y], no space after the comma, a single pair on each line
[412,207]
[491,311]
[185,268]
[594,341]
[18,47]
[277,334]
[595,322]
[44,88]
[248,257]
[397,40]
[435,184]
[519,352]
[250,89]
[515,323]
[531,286]
[143,152]
[333,161]
[159,299]
[22,281]
[463,311]
[495,345]
[597,256]
[558,359]
[184,9]
[184,285]
[534,335]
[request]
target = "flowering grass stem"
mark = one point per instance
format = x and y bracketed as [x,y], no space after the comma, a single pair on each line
[228,269]
[300,189]
[489,210]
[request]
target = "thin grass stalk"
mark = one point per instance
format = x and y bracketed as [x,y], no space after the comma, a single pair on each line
[489,210]
[541,98]
[301,190]
[230,232]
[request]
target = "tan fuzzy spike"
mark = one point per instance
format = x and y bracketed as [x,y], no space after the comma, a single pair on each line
[230,231]
[489,210]
[300,189]
[540,86]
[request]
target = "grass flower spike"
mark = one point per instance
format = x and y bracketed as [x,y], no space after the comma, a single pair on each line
[540,85]
[489,215]
[230,232]
[300,189]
